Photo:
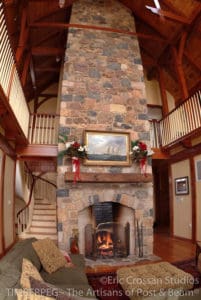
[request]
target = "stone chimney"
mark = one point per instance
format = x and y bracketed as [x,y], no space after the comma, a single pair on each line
[102,89]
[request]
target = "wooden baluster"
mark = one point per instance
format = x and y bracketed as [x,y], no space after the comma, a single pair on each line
[47,129]
[193,119]
[198,108]
[39,129]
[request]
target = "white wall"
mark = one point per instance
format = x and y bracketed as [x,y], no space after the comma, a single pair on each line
[182,204]
[152,92]
[8,201]
[154,95]
[198,202]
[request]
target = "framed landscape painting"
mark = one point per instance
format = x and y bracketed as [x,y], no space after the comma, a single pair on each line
[181,186]
[107,148]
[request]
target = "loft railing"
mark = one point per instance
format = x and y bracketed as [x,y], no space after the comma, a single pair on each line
[182,121]
[43,129]
[154,134]
[9,79]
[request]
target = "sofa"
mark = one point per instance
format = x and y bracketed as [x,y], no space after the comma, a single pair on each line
[71,278]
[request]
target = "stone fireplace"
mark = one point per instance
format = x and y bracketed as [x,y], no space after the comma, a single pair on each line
[103,89]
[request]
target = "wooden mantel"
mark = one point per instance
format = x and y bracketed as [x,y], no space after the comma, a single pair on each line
[110,177]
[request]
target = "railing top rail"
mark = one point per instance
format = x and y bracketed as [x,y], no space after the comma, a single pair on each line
[44,114]
[179,105]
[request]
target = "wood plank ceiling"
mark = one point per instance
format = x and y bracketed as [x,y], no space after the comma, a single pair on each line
[38,30]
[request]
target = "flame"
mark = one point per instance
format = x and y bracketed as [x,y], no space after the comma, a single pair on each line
[105,241]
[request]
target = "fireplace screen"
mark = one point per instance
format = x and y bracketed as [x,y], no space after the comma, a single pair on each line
[107,240]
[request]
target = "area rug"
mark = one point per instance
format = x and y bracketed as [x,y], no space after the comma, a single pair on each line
[106,287]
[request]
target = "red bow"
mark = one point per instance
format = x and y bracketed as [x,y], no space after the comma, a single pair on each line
[76,165]
[143,165]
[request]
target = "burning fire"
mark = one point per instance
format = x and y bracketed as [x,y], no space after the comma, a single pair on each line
[104,241]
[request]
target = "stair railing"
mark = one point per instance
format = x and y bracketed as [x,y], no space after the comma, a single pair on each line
[24,216]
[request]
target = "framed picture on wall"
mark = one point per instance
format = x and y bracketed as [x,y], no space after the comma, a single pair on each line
[107,148]
[181,186]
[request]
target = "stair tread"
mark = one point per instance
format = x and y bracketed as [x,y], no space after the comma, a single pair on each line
[41,233]
[44,208]
[51,221]
[43,215]
[35,226]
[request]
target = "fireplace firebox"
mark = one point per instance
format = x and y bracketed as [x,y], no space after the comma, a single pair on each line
[107,240]
[107,230]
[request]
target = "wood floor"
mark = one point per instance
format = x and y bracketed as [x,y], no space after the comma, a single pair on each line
[172,249]
[167,248]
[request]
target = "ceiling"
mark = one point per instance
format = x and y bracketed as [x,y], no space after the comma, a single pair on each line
[169,38]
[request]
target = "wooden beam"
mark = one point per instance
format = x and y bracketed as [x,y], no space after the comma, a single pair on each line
[109,177]
[42,151]
[140,18]
[24,34]
[168,14]
[180,74]
[182,46]
[6,147]
[101,28]
[25,69]
[47,51]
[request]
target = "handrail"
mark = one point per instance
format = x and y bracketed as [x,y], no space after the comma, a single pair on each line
[22,212]
[182,121]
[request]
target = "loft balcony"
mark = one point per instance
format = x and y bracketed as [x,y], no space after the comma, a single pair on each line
[41,151]
[180,125]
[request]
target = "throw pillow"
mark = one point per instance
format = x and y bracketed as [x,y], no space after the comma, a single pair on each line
[199,263]
[50,256]
[29,295]
[28,269]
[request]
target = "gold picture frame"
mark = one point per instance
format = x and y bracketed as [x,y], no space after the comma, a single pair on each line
[107,148]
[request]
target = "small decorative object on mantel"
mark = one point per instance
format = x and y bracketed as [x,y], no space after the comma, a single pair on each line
[76,151]
[139,153]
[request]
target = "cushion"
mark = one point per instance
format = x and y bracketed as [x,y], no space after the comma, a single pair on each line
[29,295]
[44,288]
[199,263]
[66,277]
[28,269]
[9,276]
[50,256]
[142,279]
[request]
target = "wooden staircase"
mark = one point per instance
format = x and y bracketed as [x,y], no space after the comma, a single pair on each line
[44,221]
